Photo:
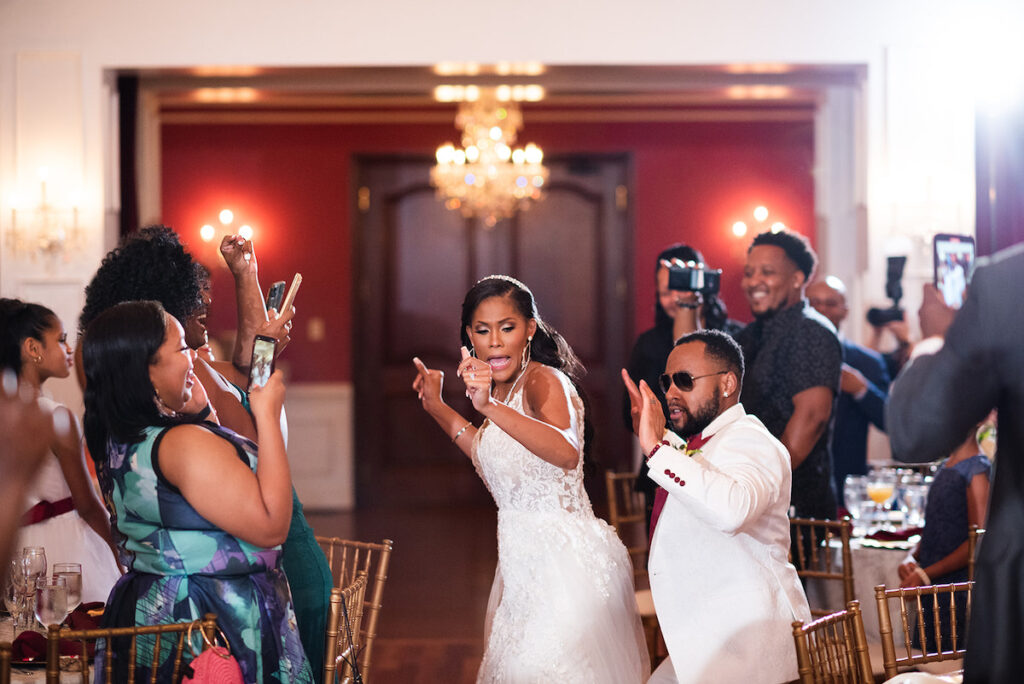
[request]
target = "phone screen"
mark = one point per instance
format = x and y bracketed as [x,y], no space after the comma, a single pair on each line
[953,257]
[262,364]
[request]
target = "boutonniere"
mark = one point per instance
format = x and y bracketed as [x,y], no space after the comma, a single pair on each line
[691,452]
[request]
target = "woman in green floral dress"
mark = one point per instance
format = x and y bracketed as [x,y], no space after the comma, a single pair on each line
[198,517]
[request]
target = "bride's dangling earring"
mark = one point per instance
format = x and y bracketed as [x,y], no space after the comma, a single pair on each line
[526,352]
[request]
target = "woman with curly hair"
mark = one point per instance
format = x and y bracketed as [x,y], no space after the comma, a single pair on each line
[153,264]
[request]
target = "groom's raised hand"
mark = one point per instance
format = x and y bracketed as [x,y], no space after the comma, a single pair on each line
[652,419]
[635,400]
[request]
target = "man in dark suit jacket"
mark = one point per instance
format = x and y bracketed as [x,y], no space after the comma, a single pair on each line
[863,388]
[933,403]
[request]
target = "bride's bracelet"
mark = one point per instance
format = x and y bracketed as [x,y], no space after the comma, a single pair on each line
[459,433]
[919,571]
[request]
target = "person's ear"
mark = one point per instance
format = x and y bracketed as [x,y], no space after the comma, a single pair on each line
[531,328]
[31,350]
[729,384]
[799,279]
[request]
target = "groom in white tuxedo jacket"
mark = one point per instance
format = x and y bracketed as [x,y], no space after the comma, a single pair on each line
[724,592]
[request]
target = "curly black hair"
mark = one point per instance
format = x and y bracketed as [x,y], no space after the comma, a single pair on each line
[796,247]
[150,264]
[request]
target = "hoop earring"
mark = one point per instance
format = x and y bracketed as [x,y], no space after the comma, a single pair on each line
[163,408]
[526,351]
[472,351]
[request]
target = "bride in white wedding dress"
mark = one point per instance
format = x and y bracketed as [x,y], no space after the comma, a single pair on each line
[562,607]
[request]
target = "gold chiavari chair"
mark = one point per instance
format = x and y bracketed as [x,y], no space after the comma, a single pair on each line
[178,649]
[911,604]
[627,515]
[833,648]
[347,559]
[815,555]
[344,641]
[974,535]
[5,663]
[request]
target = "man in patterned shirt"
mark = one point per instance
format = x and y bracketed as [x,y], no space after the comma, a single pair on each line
[793,362]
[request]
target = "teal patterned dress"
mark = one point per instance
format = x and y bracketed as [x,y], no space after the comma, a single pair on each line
[181,566]
[308,573]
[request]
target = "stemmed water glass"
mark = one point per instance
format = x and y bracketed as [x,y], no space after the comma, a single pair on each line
[51,604]
[72,574]
[33,559]
[855,496]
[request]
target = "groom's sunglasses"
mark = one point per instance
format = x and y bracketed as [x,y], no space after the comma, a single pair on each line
[682,380]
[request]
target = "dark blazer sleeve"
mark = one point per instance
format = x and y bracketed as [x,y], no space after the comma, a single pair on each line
[872,367]
[938,397]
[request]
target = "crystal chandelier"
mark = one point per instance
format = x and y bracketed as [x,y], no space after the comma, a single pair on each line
[486,177]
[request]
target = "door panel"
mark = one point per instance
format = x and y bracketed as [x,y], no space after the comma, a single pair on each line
[415,262]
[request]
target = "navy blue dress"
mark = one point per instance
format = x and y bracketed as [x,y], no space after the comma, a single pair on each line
[946,526]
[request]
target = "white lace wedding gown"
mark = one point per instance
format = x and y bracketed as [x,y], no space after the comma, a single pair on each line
[562,608]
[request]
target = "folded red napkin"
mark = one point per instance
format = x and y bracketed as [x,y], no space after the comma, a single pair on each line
[895,535]
[31,646]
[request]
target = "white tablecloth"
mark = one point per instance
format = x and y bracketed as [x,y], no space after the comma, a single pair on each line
[874,563]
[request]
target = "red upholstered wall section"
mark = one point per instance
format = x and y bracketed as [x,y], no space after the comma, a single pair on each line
[292,183]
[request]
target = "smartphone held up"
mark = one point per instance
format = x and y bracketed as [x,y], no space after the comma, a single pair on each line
[953,261]
[261,366]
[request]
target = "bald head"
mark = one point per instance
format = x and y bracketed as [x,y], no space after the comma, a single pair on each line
[828,296]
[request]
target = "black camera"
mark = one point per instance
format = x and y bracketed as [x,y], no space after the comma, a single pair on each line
[893,290]
[690,276]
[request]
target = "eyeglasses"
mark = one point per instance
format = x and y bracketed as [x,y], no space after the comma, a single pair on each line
[682,380]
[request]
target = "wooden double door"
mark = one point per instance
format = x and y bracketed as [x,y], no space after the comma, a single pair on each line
[415,260]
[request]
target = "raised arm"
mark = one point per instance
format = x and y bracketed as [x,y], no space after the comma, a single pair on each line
[255,506]
[545,426]
[240,257]
[427,384]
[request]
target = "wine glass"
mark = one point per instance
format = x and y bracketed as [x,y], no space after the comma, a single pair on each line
[51,605]
[33,559]
[881,489]
[15,593]
[72,573]
[855,495]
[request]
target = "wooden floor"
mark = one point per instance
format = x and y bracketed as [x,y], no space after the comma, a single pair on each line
[431,625]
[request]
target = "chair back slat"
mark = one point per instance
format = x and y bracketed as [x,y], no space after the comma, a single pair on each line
[180,630]
[911,603]
[5,663]
[974,535]
[833,648]
[347,559]
[813,544]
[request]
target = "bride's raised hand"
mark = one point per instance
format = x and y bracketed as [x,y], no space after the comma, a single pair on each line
[477,376]
[427,385]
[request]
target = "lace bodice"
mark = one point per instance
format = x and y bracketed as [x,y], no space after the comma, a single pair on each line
[522,481]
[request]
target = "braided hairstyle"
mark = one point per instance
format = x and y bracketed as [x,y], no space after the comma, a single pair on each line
[19,321]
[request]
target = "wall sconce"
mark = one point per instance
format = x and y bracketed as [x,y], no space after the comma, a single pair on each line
[761,213]
[44,230]
[226,218]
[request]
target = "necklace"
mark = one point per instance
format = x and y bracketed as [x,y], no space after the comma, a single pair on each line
[515,382]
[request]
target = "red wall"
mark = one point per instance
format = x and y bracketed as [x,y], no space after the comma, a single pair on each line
[691,181]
